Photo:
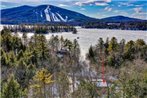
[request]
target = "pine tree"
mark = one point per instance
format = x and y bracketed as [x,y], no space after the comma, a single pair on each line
[41,79]
[140,42]
[113,46]
[106,46]
[11,89]
[100,44]
[74,31]
[129,45]
[122,45]
[91,55]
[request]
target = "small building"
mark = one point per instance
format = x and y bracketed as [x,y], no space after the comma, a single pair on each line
[100,83]
[62,52]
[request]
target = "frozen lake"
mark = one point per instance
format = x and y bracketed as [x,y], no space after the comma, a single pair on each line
[89,37]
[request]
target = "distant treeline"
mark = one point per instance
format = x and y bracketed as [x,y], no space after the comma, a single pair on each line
[43,29]
[117,25]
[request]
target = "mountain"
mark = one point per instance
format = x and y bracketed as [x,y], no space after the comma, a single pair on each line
[41,14]
[120,19]
[52,14]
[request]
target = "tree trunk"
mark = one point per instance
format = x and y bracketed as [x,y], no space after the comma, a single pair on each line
[44,88]
[73,80]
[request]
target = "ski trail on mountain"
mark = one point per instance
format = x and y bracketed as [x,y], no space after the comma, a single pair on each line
[61,17]
[46,11]
[55,18]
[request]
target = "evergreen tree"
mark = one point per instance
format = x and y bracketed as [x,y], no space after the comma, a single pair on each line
[41,79]
[122,46]
[11,89]
[113,46]
[74,31]
[91,55]
[140,42]
[106,46]
[100,44]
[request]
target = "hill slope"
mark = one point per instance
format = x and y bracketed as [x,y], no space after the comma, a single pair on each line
[120,19]
[41,14]
[52,14]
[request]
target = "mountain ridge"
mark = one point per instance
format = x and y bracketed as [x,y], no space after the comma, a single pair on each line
[51,14]
[41,14]
[120,18]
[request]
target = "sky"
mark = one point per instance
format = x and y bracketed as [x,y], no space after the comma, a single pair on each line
[93,8]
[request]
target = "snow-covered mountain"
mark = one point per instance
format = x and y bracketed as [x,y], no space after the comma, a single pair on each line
[41,14]
[52,14]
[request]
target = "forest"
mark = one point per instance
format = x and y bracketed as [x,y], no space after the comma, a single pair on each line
[43,29]
[39,68]
[117,25]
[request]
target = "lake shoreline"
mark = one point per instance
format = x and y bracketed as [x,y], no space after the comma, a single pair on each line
[88,37]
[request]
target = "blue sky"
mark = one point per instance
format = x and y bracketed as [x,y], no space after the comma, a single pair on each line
[92,8]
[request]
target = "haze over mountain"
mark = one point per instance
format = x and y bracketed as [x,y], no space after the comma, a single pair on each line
[50,14]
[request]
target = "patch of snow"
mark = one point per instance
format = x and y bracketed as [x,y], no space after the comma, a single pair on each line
[66,18]
[71,20]
[112,78]
[100,83]
[1,27]
[41,15]
[61,17]
[55,18]
[46,11]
